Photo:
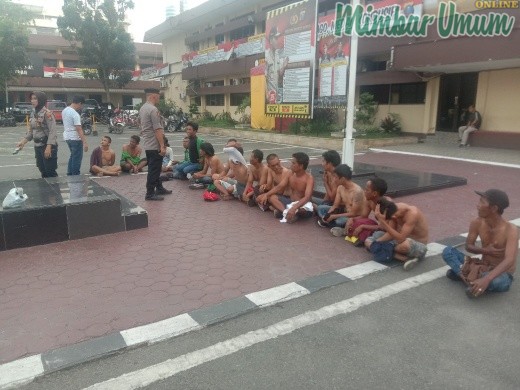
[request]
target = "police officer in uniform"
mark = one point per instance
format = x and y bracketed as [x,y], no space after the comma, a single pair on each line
[152,140]
[42,130]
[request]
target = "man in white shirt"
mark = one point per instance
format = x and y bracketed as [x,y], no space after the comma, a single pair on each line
[73,134]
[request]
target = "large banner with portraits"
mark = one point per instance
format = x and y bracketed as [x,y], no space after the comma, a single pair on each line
[290,48]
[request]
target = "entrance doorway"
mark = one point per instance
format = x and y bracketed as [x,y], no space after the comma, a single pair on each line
[457,92]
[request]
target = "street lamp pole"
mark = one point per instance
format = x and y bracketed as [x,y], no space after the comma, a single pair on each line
[349,143]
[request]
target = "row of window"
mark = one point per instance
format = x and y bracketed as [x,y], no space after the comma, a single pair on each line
[411,93]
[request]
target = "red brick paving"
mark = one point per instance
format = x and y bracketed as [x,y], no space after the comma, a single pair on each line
[193,254]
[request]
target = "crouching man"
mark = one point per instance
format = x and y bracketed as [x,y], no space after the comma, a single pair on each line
[499,248]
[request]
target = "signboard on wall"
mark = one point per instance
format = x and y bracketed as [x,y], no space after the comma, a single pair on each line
[290,48]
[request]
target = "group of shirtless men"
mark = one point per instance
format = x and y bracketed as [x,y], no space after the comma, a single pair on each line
[346,209]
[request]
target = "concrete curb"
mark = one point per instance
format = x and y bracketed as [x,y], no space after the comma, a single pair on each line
[25,370]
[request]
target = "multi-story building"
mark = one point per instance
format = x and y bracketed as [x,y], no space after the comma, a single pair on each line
[56,69]
[427,80]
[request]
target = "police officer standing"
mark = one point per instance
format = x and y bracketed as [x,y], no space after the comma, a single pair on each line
[152,136]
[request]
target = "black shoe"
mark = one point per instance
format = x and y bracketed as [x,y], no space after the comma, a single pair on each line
[153,197]
[162,191]
[450,274]
[251,202]
[278,214]
[322,223]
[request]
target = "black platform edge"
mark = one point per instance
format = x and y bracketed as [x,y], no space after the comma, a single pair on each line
[135,216]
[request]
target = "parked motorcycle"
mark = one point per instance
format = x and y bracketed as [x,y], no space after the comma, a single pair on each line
[7,120]
[86,123]
[117,123]
[176,122]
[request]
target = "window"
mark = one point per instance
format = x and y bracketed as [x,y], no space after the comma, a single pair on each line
[237,98]
[215,100]
[71,64]
[60,96]
[219,38]
[195,100]
[242,32]
[410,93]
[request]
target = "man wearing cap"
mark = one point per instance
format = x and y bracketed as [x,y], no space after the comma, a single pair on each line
[499,248]
[152,135]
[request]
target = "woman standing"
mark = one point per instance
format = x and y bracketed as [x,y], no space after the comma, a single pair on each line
[42,130]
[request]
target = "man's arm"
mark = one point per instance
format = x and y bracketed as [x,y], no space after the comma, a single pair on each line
[199,174]
[406,230]
[79,130]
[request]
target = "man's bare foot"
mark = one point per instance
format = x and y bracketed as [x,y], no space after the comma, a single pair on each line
[99,174]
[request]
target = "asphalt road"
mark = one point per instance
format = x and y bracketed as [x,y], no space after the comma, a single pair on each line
[23,165]
[389,330]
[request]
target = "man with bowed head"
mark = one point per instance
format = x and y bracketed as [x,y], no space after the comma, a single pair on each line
[152,135]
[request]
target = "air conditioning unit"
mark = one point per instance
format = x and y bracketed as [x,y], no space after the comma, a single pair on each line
[182,96]
[163,84]
[389,65]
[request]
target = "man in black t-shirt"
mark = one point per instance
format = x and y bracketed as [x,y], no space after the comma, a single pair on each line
[473,123]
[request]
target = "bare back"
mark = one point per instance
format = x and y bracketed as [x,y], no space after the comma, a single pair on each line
[353,198]
[413,220]
[216,166]
[240,172]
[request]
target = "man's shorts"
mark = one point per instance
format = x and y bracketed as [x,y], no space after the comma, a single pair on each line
[238,188]
[417,249]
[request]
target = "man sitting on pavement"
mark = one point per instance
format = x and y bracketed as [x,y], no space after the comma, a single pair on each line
[499,248]
[473,122]
[276,174]
[231,182]
[168,161]
[350,202]
[103,158]
[300,185]
[329,161]
[212,166]
[165,176]
[131,160]
[257,176]
[194,162]
[405,227]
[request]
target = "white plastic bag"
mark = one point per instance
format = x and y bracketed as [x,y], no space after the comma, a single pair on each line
[15,198]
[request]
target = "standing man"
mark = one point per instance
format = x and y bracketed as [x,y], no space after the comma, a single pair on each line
[498,247]
[474,120]
[73,134]
[152,134]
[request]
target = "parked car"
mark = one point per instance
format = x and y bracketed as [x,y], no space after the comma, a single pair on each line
[56,106]
[92,106]
[20,110]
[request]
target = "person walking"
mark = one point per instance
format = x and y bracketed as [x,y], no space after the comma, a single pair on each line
[152,135]
[73,134]
[42,130]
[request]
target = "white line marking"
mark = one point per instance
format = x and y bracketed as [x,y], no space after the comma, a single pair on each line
[149,375]
[20,165]
[499,164]
[161,330]
[277,294]
[434,249]
[359,270]
[20,371]
[516,222]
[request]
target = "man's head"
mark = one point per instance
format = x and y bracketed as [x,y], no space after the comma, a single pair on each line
[256,157]
[186,142]
[492,201]
[300,161]
[273,163]
[343,172]
[471,108]
[375,188]
[191,129]
[77,102]
[330,160]
[152,95]
[387,208]
[207,150]
[106,140]
[134,140]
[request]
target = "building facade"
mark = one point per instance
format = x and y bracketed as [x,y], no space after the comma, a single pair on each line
[428,80]
[56,69]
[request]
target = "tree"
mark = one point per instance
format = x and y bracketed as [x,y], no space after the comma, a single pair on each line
[96,29]
[14,39]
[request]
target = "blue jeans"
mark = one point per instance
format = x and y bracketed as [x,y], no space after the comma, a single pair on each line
[182,169]
[76,155]
[455,258]
[338,222]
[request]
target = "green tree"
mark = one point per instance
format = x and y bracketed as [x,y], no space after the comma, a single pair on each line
[96,28]
[14,39]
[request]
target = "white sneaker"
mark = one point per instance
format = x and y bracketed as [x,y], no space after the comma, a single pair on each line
[408,265]
[337,231]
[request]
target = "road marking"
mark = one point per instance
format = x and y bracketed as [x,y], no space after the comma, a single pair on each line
[359,270]
[20,165]
[149,375]
[498,164]
[21,371]
[277,294]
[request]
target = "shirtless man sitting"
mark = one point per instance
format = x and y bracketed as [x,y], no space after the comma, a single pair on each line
[231,182]
[405,226]
[499,246]
[212,165]
[131,160]
[276,174]
[300,186]
[257,176]
[350,202]
[103,159]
